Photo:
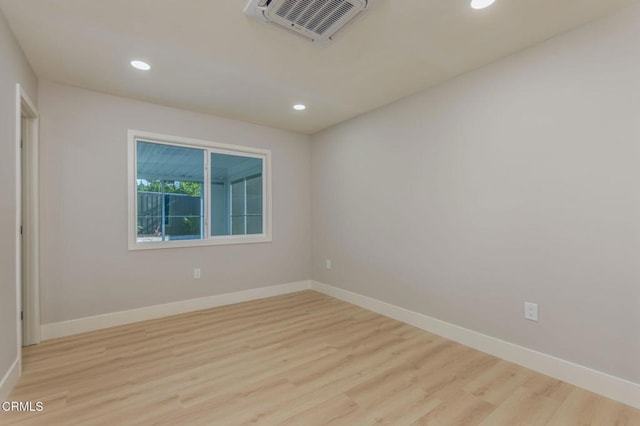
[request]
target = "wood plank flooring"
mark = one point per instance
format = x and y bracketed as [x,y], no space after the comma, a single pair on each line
[298,359]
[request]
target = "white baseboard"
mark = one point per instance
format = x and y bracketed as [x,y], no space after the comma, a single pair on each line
[595,381]
[82,325]
[9,380]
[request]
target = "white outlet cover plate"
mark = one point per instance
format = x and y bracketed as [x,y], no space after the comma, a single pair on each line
[531,311]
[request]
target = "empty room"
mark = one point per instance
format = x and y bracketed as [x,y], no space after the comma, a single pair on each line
[314,212]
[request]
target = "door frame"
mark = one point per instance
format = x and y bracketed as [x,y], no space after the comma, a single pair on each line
[27,144]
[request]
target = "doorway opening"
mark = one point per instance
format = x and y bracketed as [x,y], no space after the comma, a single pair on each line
[27,232]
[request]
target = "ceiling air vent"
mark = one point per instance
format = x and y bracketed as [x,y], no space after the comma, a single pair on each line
[317,20]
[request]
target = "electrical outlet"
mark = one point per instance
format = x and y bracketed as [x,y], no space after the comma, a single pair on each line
[531,311]
[196,273]
[327,263]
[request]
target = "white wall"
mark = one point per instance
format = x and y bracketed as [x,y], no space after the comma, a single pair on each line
[13,69]
[515,182]
[86,268]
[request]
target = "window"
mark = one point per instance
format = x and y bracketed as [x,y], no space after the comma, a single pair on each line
[185,192]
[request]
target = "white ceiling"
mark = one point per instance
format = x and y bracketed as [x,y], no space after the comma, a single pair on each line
[207,56]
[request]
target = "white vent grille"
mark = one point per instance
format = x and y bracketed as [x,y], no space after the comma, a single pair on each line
[314,15]
[316,19]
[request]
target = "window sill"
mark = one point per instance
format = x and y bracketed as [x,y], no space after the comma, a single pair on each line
[218,241]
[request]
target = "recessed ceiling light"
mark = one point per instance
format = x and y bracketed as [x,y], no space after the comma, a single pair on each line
[140,65]
[481,4]
[299,107]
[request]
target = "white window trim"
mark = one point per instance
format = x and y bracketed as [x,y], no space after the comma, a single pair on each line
[133,244]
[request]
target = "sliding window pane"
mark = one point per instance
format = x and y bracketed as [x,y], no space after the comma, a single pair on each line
[238,198]
[169,182]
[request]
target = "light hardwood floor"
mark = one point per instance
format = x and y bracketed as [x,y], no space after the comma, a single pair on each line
[299,359]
